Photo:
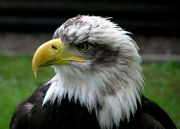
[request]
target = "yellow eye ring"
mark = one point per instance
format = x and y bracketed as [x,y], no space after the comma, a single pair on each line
[83,47]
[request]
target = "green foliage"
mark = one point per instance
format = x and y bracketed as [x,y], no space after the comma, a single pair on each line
[17,81]
[162,85]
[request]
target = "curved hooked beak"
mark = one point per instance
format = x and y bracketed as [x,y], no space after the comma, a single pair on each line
[52,52]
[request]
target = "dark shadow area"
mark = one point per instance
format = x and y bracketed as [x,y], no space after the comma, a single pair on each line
[137,16]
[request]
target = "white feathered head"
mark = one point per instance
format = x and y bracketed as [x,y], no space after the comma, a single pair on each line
[97,64]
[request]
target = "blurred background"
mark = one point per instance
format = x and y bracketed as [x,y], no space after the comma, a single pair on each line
[154,24]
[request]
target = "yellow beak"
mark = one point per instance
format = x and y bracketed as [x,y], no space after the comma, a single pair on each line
[52,53]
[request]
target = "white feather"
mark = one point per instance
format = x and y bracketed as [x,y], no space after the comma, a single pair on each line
[87,86]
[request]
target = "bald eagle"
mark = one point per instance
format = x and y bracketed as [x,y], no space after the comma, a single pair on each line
[98,82]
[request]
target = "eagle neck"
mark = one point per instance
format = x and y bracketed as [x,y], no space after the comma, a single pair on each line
[113,101]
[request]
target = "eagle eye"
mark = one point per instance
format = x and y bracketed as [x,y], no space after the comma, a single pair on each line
[83,47]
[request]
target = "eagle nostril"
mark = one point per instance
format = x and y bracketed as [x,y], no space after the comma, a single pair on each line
[54,47]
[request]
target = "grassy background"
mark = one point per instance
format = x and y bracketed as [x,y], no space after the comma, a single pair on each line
[162,85]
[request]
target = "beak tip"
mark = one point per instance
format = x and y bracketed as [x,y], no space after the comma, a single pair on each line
[34,69]
[35,73]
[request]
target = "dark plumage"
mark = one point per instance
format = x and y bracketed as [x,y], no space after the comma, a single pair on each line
[72,115]
[98,82]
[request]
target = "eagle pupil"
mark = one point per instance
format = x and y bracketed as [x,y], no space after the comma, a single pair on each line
[82,46]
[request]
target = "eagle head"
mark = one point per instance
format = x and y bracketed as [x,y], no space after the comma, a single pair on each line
[97,64]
